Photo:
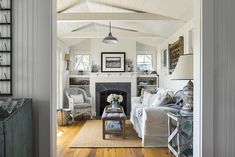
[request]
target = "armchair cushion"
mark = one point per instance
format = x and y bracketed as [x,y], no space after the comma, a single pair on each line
[81,105]
[79,98]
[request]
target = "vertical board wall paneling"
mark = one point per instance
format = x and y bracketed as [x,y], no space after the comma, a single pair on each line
[31,65]
[224,79]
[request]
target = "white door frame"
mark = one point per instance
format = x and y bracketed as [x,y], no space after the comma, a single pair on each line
[203,83]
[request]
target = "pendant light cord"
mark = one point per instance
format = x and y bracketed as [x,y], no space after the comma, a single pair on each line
[109,26]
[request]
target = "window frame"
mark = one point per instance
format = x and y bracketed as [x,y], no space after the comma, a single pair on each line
[144,55]
[74,60]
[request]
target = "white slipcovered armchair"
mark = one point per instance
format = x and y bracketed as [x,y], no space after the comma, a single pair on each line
[79,102]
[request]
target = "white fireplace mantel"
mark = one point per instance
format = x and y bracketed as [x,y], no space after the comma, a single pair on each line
[128,77]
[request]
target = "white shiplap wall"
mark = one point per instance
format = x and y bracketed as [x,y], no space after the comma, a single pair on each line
[31,65]
[224,101]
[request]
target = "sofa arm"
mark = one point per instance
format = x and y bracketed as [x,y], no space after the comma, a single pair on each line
[135,101]
[154,114]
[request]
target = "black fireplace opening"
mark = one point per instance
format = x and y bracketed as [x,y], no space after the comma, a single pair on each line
[105,94]
[104,89]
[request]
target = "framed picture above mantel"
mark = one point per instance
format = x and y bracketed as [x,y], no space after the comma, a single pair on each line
[113,61]
[175,51]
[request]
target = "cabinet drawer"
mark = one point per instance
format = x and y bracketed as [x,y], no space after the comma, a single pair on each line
[1,128]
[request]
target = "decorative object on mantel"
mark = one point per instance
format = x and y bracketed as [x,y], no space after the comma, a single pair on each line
[145,72]
[6,48]
[129,66]
[67,59]
[184,71]
[80,72]
[113,61]
[114,99]
[94,68]
[175,51]
[110,39]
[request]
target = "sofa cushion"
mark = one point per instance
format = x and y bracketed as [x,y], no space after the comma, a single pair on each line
[161,99]
[165,90]
[146,98]
[178,95]
[153,91]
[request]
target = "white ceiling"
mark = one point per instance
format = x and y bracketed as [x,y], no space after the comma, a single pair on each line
[166,16]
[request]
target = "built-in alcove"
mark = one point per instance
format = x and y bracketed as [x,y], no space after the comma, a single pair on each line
[103,89]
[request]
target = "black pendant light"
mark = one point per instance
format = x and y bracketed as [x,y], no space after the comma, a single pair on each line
[110,39]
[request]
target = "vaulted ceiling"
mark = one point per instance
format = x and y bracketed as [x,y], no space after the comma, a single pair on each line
[146,21]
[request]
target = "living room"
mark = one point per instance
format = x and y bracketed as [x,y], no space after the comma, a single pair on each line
[141,52]
[29,72]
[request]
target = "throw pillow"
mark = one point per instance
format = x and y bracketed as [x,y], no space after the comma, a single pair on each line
[154,91]
[161,99]
[146,98]
[78,98]
[165,90]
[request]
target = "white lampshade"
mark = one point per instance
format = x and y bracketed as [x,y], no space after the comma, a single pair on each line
[184,68]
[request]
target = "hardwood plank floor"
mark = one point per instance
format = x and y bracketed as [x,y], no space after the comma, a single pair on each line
[70,131]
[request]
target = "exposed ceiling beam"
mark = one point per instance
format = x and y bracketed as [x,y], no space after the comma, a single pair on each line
[102,25]
[81,35]
[73,17]
[76,2]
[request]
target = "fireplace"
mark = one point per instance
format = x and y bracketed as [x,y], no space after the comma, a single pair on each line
[105,94]
[104,89]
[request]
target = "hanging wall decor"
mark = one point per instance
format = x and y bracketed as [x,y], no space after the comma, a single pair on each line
[6,48]
[175,51]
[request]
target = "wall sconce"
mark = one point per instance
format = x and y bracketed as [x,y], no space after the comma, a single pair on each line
[67,58]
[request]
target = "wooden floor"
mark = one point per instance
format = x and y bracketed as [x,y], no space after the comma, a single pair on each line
[63,149]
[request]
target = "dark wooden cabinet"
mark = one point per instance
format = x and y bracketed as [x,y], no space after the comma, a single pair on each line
[16,136]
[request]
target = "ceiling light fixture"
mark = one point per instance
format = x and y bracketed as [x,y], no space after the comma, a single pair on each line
[110,39]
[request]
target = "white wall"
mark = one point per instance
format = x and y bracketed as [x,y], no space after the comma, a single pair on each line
[94,47]
[62,73]
[165,79]
[32,64]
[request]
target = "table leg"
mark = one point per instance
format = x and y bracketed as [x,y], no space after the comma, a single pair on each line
[103,131]
[123,129]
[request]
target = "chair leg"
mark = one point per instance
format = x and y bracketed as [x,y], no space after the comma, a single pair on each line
[73,116]
[91,116]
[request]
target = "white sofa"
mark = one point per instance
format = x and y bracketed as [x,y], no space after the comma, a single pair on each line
[150,123]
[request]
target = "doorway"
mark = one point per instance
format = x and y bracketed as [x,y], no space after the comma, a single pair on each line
[198,82]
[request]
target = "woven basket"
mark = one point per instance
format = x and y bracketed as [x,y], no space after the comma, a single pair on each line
[63,116]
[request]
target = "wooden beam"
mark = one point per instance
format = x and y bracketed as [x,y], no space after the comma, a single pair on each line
[73,17]
[103,25]
[82,35]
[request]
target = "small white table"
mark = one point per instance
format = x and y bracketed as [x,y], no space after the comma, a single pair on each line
[176,144]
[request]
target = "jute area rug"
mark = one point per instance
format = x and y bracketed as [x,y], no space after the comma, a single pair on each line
[91,136]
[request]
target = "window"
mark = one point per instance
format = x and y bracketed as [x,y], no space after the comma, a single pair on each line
[144,62]
[82,62]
